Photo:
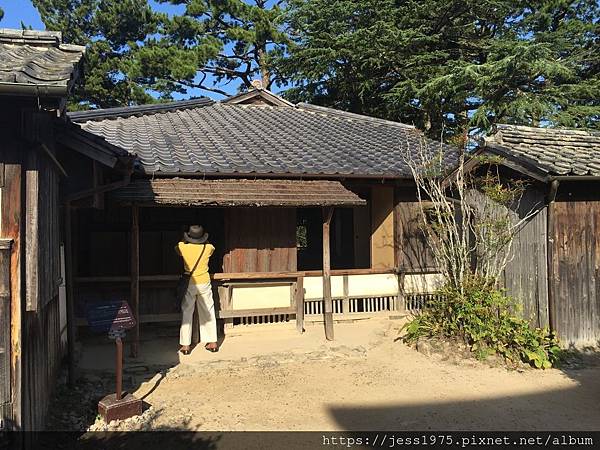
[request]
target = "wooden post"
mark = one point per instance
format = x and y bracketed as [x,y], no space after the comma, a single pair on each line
[300,304]
[399,251]
[327,302]
[69,268]
[11,224]
[346,292]
[550,241]
[135,277]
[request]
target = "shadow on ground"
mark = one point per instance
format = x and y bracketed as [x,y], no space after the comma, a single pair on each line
[535,412]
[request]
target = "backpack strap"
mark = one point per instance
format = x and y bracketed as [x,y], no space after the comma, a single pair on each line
[198,260]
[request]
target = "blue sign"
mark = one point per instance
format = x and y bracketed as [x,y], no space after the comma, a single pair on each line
[110,316]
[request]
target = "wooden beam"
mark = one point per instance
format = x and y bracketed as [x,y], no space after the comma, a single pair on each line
[32,284]
[50,155]
[70,276]
[11,226]
[135,277]
[247,275]
[551,239]
[98,198]
[327,301]
[399,250]
[299,294]
[97,190]
[88,149]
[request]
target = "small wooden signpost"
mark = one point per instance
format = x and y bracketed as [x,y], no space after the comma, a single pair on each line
[115,318]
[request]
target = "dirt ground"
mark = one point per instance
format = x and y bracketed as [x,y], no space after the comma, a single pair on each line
[272,378]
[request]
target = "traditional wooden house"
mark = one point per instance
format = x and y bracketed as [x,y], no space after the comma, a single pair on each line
[555,271]
[303,203]
[36,73]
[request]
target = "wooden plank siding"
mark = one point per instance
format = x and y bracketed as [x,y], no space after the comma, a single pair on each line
[11,225]
[42,354]
[412,251]
[526,275]
[576,271]
[5,385]
[42,252]
[29,217]
[260,240]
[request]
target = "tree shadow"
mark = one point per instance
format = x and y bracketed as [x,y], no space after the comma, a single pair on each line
[572,409]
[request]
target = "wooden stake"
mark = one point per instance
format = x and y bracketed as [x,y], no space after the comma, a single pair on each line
[327,302]
[135,277]
[300,304]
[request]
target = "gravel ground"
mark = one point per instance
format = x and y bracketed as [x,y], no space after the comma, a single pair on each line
[381,385]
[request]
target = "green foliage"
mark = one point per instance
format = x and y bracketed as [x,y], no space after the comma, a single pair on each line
[484,318]
[138,55]
[449,66]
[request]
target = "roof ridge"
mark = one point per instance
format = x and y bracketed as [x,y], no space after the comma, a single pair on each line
[265,94]
[128,111]
[351,115]
[12,35]
[557,130]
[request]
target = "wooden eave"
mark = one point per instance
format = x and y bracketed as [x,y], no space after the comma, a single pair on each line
[236,192]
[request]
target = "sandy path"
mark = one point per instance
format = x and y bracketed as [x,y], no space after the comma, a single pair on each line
[387,387]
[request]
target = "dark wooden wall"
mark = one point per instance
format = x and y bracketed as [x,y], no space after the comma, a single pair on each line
[42,243]
[260,240]
[42,355]
[576,270]
[29,216]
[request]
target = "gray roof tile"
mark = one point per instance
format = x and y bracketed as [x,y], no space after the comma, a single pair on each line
[554,150]
[230,138]
[37,58]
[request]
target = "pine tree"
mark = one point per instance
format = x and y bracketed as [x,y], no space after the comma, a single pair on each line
[114,32]
[246,36]
[449,66]
[137,54]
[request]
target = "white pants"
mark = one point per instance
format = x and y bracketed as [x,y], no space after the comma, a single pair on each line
[200,295]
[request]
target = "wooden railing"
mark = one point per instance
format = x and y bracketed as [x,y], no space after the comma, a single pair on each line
[237,276]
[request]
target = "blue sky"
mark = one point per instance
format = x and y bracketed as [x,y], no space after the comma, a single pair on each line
[23,11]
[16,11]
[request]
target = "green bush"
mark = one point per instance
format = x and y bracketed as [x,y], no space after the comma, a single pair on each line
[481,317]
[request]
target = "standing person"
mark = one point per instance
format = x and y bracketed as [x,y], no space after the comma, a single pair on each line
[196,252]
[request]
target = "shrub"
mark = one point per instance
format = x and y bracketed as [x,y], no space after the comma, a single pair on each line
[482,318]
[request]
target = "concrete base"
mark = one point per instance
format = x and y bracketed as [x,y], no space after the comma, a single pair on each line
[112,409]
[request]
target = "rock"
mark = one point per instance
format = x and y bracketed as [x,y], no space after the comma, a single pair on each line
[424,347]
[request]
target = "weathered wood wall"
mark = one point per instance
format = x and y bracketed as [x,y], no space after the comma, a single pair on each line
[29,216]
[576,270]
[10,228]
[42,245]
[260,240]
[5,385]
[413,253]
[526,275]
[42,355]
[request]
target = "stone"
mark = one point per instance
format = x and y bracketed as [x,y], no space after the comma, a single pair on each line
[424,347]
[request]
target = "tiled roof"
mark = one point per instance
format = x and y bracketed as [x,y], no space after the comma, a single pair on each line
[37,58]
[226,139]
[234,192]
[554,151]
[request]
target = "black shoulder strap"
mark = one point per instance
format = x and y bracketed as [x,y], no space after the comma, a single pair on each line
[198,261]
